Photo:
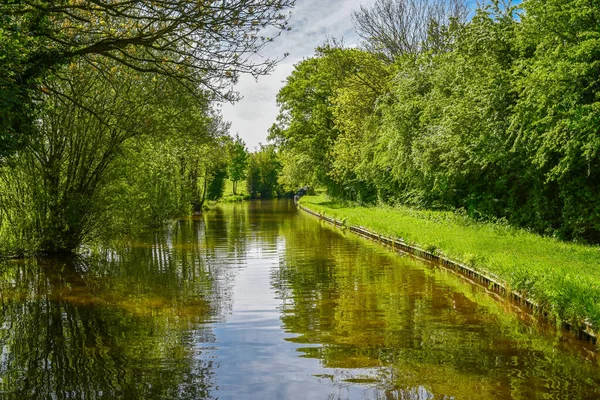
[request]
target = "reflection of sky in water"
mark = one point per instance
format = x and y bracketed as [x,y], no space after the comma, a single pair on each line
[255,359]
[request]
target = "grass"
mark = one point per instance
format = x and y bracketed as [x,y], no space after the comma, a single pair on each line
[564,278]
[241,192]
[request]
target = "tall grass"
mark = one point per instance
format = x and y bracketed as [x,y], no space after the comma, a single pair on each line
[564,278]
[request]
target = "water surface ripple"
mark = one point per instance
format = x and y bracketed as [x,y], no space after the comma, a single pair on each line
[259,301]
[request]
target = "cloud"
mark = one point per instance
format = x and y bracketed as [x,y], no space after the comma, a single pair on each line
[312,22]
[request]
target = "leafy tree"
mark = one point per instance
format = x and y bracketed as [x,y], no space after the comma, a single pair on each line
[444,137]
[216,167]
[58,191]
[556,117]
[295,168]
[353,108]
[204,45]
[497,115]
[205,163]
[263,170]
[305,124]
[216,187]
[238,160]
[306,128]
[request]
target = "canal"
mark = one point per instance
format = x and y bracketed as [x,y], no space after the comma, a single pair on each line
[258,300]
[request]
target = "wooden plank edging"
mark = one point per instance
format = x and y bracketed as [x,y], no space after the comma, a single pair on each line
[493,283]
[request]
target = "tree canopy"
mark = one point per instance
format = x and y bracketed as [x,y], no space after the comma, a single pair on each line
[107,117]
[496,115]
[203,45]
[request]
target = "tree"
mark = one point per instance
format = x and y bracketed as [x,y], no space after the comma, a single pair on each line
[311,117]
[392,28]
[354,111]
[238,161]
[263,170]
[58,191]
[557,116]
[202,45]
[205,162]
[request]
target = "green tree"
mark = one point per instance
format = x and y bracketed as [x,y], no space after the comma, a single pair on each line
[204,45]
[263,171]
[306,128]
[58,192]
[206,164]
[238,161]
[557,115]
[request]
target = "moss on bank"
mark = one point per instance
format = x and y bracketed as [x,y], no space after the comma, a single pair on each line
[562,277]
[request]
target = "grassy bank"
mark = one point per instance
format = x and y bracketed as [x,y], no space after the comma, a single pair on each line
[562,277]
[241,192]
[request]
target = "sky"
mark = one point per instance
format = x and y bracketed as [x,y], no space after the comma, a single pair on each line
[312,22]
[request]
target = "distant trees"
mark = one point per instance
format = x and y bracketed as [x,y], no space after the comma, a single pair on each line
[263,170]
[238,161]
[497,115]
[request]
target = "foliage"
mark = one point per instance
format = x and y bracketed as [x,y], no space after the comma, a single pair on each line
[263,169]
[557,115]
[103,158]
[106,112]
[306,126]
[203,46]
[216,187]
[497,115]
[238,160]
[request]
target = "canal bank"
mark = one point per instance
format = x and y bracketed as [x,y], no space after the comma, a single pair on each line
[559,280]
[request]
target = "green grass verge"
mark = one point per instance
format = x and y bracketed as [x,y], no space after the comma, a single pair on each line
[564,278]
[241,192]
[241,188]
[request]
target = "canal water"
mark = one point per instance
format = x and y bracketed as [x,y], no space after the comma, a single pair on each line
[260,301]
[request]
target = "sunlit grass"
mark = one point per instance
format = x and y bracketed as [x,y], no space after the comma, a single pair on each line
[241,192]
[562,277]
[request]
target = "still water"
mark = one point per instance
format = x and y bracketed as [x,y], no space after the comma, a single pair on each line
[260,301]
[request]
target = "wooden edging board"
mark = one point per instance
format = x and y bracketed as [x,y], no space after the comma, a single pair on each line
[491,283]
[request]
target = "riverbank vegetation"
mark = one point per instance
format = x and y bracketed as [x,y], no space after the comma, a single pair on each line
[108,116]
[563,278]
[495,113]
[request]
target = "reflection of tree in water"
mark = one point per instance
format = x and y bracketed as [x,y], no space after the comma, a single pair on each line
[130,323]
[367,310]
[236,226]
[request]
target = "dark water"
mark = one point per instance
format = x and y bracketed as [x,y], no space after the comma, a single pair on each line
[258,301]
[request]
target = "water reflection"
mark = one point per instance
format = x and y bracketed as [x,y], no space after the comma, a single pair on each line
[255,300]
[416,332]
[128,324]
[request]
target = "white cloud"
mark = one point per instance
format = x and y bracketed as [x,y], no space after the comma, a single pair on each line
[312,22]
